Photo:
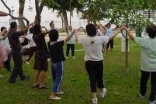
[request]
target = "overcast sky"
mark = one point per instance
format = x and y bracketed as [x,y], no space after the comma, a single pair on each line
[47,15]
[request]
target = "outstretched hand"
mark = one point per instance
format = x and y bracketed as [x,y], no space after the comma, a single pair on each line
[124,27]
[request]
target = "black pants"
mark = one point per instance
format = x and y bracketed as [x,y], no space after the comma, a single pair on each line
[31,52]
[143,84]
[95,72]
[72,47]
[7,63]
[17,70]
[110,44]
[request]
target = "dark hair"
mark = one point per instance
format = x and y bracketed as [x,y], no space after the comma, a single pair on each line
[53,35]
[31,30]
[91,30]
[13,25]
[51,22]
[37,29]
[2,28]
[151,30]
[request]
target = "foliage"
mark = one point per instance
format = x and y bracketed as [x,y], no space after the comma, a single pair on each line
[117,11]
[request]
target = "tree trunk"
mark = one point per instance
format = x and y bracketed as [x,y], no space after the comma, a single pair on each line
[65,18]
[88,18]
[21,10]
[39,8]
[62,21]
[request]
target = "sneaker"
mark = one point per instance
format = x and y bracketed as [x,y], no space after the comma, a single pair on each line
[1,76]
[27,62]
[67,57]
[102,95]
[141,96]
[55,98]
[60,93]
[73,57]
[25,78]
[48,59]
[94,100]
[151,102]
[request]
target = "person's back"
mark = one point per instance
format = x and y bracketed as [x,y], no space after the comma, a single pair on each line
[148,53]
[56,51]
[93,47]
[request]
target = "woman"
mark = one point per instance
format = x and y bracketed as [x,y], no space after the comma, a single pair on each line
[4,52]
[94,59]
[41,55]
[57,59]
[148,60]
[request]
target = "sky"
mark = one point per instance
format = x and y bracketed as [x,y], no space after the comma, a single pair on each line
[47,15]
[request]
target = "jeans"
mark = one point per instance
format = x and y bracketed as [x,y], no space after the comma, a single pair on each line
[57,69]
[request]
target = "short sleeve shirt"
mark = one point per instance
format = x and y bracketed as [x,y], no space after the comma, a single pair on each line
[41,47]
[148,53]
[30,38]
[93,47]
[56,51]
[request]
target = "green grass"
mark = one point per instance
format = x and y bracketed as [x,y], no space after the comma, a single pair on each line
[122,86]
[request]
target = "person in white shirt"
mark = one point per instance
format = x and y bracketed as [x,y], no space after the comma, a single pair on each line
[32,44]
[94,59]
[148,61]
[70,43]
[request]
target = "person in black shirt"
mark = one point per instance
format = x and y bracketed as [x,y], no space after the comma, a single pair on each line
[13,37]
[57,59]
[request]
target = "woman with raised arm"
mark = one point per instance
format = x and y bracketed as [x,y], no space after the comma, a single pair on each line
[148,60]
[41,55]
[57,59]
[94,59]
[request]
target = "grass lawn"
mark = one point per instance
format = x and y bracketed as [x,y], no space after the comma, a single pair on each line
[122,86]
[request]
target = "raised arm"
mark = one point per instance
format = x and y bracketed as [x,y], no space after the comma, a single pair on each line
[69,37]
[128,33]
[113,36]
[27,27]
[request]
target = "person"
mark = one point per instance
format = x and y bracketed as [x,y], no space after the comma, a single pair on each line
[148,60]
[70,44]
[57,59]
[41,55]
[13,36]
[4,51]
[32,44]
[109,32]
[94,59]
[6,43]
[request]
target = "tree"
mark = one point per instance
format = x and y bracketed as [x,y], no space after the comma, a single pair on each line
[21,9]
[39,7]
[62,6]
[13,17]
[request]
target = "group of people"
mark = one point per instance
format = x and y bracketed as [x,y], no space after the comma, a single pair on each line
[92,44]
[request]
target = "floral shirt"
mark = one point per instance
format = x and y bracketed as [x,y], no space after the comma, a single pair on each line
[41,51]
